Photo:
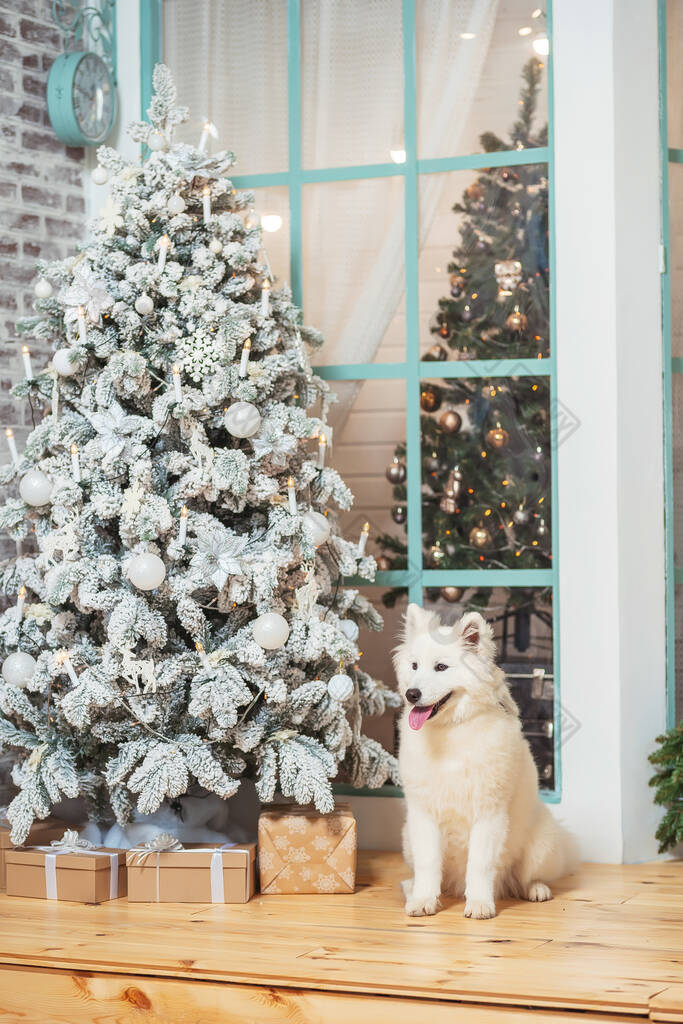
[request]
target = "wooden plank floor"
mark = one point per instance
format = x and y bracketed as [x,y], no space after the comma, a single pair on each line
[610,943]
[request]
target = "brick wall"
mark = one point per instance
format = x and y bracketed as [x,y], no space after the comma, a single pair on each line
[41,185]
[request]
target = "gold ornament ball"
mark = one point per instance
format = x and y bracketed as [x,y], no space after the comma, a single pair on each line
[430,398]
[444,330]
[474,191]
[497,437]
[395,472]
[450,421]
[398,514]
[436,555]
[516,321]
[384,564]
[452,594]
[479,537]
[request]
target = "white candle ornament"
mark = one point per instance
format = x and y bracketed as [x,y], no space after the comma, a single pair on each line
[176,383]
[42,288]
[100,175]
[82,329]
[64,363]
[203,656]
[362,543]
[146,571]
[244,361]
[322,448]
[182,532]
[176,205]
[12,445]
[206,203]
[21,600]
[35,488]
[163,245]
[62,658]
[291,495]
[208,128]
[265,297]
[17,668]
[75,463]
[26,356]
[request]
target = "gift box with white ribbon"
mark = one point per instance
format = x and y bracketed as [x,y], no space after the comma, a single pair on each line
[69,869]
[164,871]
[42,832]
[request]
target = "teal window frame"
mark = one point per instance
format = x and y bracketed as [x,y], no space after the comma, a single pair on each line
[670,366]
[412,370]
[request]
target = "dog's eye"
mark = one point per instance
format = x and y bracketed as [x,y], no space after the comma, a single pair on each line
[440,667]
[414,666]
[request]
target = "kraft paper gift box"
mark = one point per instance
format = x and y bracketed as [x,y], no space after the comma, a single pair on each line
[42,833]
[202,873]
[301,851]
[78,875]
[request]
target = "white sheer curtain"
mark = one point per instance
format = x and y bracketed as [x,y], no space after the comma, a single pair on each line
[230,64]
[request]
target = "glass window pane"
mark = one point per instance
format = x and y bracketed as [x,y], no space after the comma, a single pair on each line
[676,256]
[354,269]
[366,421]
[213,49]
[377,647]
[486,473]
[484,267]
[272,206]
[674,73]
[351,82]
[522,621]
[474,70]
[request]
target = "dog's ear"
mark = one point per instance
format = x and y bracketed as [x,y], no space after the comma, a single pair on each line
[418,620]
[472,630]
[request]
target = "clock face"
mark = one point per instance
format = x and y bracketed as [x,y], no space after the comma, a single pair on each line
[93,97]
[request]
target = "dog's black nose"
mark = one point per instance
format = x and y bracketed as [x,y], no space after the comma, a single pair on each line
[413,695]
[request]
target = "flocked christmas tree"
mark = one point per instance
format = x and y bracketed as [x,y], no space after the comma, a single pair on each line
[183,621]
[485,441]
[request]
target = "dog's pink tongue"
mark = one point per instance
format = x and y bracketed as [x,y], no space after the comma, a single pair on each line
[418,716]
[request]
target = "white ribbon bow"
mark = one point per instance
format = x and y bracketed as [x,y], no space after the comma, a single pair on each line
[71,842]
[167,843]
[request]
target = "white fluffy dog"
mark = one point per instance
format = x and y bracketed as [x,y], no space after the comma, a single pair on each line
[475,824]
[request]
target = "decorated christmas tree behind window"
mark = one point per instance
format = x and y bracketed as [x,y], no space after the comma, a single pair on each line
[486,440]
[180,616]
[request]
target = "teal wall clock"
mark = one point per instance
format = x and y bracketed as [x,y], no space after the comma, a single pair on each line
[81,98]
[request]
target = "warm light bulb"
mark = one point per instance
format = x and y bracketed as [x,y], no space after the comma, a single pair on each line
[468,35]
[524,31]
[541,45]
[536,13]
[398,155]
[271,222]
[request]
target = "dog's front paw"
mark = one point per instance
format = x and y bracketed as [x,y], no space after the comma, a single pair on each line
[480,909]
[417,907]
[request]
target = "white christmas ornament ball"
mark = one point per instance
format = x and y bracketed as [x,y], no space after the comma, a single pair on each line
[35,488]
[270,631]
[146,571]
[318,525]
[176,205]
[350,629]
[215,246]
[340,687]
[156,142]
[17,668]
[42,288]
[62,363]
[100,175]
[144,304]
[242,419]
